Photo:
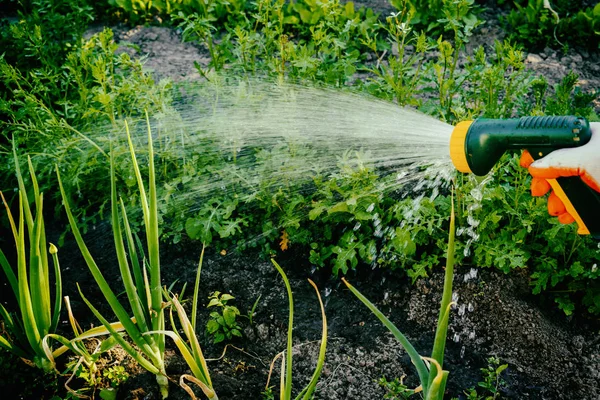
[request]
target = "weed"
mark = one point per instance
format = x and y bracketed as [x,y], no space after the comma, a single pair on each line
[396,389]
[489,388]
[222,324]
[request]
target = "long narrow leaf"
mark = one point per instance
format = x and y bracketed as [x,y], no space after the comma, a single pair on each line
[57,287]
[37,275]
[25,304]
[439,344]
[307,393]
[288,359]
[434,392]
[12,348]
[10,274]
[111,298]
[414,356]
[135,264]
[190,333]
[148,365]
[130,288]
[196,288]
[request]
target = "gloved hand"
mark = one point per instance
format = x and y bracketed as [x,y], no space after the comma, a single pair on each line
[581,161]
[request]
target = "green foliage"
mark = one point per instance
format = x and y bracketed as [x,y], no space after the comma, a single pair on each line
[222,324]
[396,389]
[26,328]
[536,26]
[488,389]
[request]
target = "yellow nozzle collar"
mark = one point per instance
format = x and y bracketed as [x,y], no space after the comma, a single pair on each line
[458,151]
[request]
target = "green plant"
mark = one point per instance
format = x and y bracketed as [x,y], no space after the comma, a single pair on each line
[192,352]
[285,387]
[37,316]
[396,389]
[143,289]
[222,324]
[84,366]
[433,381]
[430,14]
[491,383]
[252,311]
[536,24]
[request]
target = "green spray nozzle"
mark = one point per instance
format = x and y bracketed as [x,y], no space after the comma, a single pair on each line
[476,146]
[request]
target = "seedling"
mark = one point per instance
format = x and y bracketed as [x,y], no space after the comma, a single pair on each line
[222,324]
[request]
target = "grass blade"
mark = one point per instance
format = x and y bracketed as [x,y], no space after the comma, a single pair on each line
[196,288]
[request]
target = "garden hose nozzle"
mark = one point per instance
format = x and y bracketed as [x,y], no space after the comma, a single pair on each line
[476,146]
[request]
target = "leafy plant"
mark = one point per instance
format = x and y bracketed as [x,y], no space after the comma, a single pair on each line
[396,389]
[491,383]
[433,381]
[37,315]
[537,24]
[222,324]
[285,387]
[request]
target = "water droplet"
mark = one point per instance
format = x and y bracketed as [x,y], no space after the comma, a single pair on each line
[461,310]
[455,297]
[470,307]
[456,338]
[327,292]
[462,352]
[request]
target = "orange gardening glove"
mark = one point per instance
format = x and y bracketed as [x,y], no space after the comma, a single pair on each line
[581,161]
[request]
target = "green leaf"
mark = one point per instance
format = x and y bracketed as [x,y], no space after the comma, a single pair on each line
[213,303]
[229,316]
[227,297]
[501,368]
[212,326]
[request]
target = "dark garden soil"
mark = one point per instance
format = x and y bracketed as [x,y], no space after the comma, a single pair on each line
[550,356]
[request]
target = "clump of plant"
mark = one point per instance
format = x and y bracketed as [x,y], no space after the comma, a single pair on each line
[285,384]
[539,23]
[395,389]
[433,377]
[489,388]
[222,324]
[143,288]
[38,312]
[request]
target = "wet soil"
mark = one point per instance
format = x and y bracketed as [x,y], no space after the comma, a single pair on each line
[549,355]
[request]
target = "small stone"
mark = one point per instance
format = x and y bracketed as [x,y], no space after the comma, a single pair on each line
[577,58]
[565,60]
[534,58]
[249,333]
[263,331]
[585,54]
[151,36]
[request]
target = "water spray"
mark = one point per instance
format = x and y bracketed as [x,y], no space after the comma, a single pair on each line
[476,146]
